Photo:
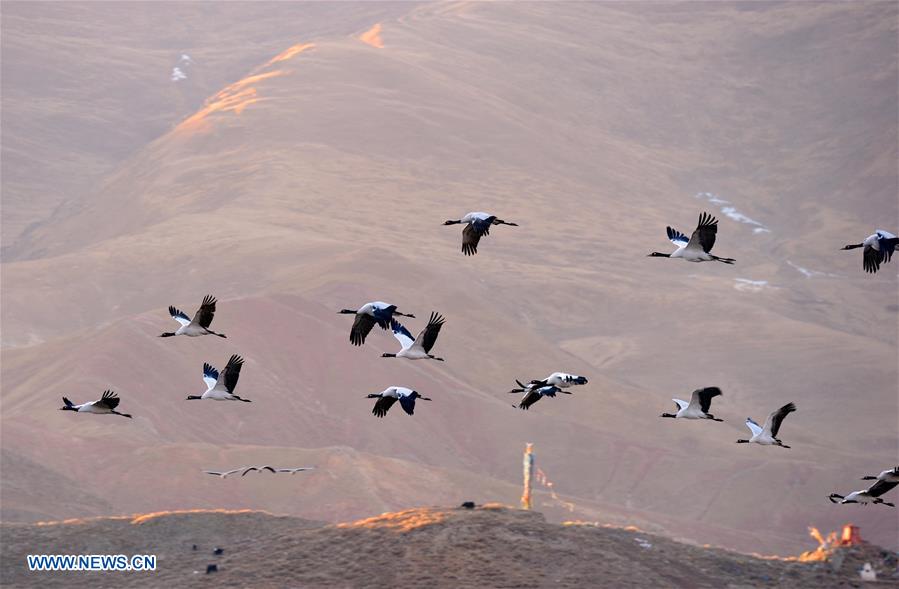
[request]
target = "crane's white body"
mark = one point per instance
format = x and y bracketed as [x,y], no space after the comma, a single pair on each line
[476,216]
[215,388]
[93,407]
[689,410]
[688,250]
[563,380]
[376,309]
[887,476]
[418,348]
[220,386]
[860,497]
[760,435]
[396,392]
[412,349]
[391,395]
[189,328]
[873,241]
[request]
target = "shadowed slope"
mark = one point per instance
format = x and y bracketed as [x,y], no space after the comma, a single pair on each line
[490,546]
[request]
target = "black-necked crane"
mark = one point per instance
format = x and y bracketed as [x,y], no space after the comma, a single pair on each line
[879,248]
[105,404]
[296,470]
[870,495]
[259,468]
[197,326]
[889,476]
[369,315]
[767,435]
[275,470]
[698,407]
[418,348]
[223,474]
[220,385]
[698,248]
[477,225]
[390,395]
[563,380]
[247,469]
[535,392]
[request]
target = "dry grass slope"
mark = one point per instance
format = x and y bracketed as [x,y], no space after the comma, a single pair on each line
[491,546]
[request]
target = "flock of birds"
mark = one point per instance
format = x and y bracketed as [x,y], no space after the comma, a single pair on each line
[220,385]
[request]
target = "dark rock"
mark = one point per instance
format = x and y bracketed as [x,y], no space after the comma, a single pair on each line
[212,568]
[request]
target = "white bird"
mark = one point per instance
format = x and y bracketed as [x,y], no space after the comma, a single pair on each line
[420,347]
[369,314]
[767,435]
[698,407]
[535,392]
[889,476]
[563,380]
[879,248]
[224,474]
[390,395]
[870,495]
[699,246]
[197,326]
[477,225]
[296,470]
[220,386]
[105,404]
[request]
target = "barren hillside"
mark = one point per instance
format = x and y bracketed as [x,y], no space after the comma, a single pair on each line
[311,171]
[425,547]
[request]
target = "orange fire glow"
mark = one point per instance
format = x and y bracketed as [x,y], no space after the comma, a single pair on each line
[290,52]
[239,95]
[373,37]
[545,482]
[401,521]
[139,518]
[826,545]
[145,517]
[234,97]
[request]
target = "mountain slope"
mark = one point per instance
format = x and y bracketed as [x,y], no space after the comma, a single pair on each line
[317,177]
[490,546]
